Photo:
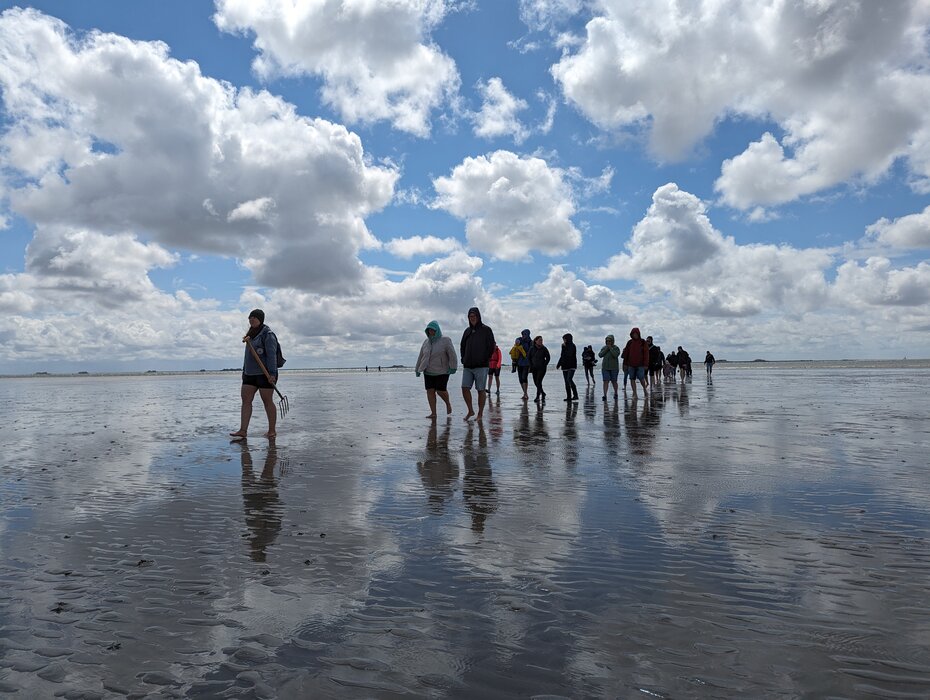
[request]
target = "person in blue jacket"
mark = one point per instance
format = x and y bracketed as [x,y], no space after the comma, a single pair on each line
[265,343]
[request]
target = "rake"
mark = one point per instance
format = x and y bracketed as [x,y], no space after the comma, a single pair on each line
[283,405]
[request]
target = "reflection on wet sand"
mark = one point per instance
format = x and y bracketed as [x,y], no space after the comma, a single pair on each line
[439,469]
[263,509]
[478,487]
[768,540]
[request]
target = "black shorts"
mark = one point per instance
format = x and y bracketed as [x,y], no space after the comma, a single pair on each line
[494,372]
[437,382]
[256,380]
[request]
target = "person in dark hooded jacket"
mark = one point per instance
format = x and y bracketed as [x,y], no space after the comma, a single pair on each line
[568,363]
[475,352]
[539,362]
[523,363]
[589,359]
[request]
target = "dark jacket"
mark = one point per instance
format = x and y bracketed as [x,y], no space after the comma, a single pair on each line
[568,359]
[539,357]
[527,343]
[636,353]
[588,358]
[266,345]
[477,344]
[656,358]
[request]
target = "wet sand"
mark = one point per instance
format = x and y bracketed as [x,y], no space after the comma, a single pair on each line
[762,536]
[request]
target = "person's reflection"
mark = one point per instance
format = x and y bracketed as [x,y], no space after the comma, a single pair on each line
[263,509]
[590,406]
[570,434]
[683,404]
[611,427]
[710,388]
[495,419]
[478,489]
[439,470]
[522,435]
[641,420]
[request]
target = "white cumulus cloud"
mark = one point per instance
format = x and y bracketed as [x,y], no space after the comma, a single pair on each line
[107,134]
[675,251]
[421,245]
[911,231]
[375,59]
[498,114]
[512,205]
[843,79]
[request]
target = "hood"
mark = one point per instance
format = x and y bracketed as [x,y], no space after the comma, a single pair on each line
[525,334]
[567,337]
[474,310]
[635,331]
[608,337]
[435,327]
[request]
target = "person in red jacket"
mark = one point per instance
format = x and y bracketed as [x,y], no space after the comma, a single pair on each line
[494,369]
[636,357]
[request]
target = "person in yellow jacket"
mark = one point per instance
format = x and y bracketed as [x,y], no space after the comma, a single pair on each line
[517,353]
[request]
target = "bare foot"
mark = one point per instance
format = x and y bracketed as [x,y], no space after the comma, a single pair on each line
[432,416]
[479,416]
[238,434]
[270,434]
[449,410]
[469,416]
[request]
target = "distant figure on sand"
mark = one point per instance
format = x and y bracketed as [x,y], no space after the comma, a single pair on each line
[475,350]
[709,362]
[656,360]
[539,363]
[610,369]
[568,363]
[264,342]
[523,364]
[589,359]
[494,369]
[684,362]
[436,362]
[516,352]
[636,354]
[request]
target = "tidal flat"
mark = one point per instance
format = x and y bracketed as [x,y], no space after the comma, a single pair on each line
[766,534]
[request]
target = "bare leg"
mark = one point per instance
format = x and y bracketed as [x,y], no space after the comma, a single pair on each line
[270,410]
[444,395]
[482,397]
[466,394]
[245,413]
[525,386]
[606,384]
[431,400]
[614,382]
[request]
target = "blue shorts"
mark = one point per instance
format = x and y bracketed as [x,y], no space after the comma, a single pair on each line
[475,375]
[610,375]
[637,373]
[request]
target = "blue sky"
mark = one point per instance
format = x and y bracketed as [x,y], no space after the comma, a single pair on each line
[751,179]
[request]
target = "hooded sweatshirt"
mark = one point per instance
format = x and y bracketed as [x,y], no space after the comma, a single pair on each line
[437,354]
[636,352]
[526,342]
[568,359]
[477,344]
[265,343]
[610,353]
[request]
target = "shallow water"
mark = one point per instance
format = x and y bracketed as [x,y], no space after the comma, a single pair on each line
[764,535]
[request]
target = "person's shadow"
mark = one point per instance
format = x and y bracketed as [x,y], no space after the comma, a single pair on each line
[439,470]
[478,488]
[260,501]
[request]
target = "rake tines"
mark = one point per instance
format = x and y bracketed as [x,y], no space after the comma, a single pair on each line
[283,405]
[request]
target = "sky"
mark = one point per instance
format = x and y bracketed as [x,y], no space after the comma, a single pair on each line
[746,177]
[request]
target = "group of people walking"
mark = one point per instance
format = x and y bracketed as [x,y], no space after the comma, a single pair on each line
[640,360]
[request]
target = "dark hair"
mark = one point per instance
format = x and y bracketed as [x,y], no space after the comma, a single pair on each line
[257,313]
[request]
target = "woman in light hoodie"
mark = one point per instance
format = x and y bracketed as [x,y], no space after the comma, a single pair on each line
[436,362]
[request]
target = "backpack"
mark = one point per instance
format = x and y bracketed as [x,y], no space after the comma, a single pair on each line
[280,357]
